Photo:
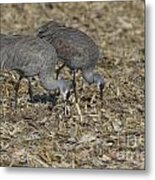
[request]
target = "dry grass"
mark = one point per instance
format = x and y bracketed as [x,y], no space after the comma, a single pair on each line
[94,134]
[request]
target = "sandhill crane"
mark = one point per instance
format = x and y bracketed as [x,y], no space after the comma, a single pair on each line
[75,49]
[31,56]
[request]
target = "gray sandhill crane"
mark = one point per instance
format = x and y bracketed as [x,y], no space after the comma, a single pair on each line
[75,49]
[31,56]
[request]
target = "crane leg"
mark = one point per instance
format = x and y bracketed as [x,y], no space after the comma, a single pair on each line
[58,70]
[30,92]
[16,90]
[74,85]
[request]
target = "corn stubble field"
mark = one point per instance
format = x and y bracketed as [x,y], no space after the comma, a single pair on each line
[93,134]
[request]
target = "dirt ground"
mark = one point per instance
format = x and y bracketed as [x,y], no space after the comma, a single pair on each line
[93,134]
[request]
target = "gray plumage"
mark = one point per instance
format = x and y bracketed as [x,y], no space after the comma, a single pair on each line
[31,56]
[5,39]
[75,49]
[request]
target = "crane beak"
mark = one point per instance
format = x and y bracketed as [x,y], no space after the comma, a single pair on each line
[101,87]
[66,96]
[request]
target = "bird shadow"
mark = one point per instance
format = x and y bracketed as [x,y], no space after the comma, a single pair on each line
[43,98]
